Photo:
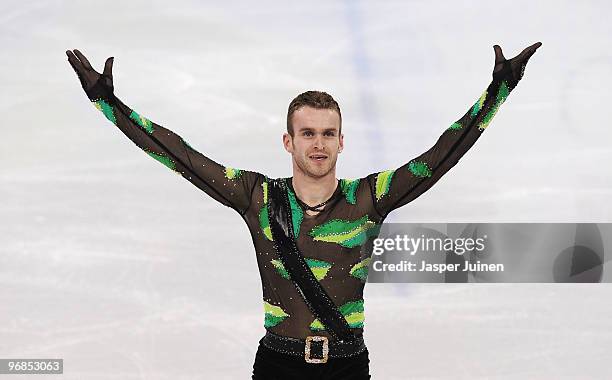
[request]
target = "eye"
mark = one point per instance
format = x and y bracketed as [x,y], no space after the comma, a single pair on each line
[330,133]
[307,133]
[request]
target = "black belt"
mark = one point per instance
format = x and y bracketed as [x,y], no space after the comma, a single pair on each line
[315,348]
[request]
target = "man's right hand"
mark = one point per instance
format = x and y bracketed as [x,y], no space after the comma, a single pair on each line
[97,86]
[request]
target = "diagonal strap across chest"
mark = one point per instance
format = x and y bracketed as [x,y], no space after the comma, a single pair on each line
[315,296]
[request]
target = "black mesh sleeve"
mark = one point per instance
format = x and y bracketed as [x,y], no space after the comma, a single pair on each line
[230,186]
[394,188]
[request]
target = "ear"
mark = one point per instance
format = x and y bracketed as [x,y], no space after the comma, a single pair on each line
[341,144]
[288,142]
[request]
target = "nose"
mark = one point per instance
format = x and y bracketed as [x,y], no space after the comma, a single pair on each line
[318,141]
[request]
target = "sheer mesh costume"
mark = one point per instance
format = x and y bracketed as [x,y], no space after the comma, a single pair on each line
[331,241]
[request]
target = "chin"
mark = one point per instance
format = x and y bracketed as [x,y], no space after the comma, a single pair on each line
[318,172]
[315,171]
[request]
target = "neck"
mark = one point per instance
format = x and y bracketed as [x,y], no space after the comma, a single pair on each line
[313,191]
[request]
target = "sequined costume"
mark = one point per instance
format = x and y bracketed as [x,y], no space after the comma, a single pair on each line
[331,241]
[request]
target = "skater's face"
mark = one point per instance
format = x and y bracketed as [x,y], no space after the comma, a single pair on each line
[316,141]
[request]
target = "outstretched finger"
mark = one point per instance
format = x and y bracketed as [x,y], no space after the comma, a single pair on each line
[533,48]
[499,55]
[529,50]
[108,66]
[74,61]
[84,60]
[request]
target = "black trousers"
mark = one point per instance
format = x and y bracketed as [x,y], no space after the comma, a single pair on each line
[273,365]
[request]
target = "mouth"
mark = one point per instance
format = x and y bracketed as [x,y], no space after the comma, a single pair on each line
[318,157]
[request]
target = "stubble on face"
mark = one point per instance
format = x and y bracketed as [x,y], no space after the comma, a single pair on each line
[316,141]
[314,169]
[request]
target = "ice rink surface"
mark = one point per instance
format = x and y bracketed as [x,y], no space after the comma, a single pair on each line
[127,271]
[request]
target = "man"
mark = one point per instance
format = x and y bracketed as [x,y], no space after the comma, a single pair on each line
[327,222]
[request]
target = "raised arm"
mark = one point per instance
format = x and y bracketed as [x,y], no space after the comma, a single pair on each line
[394,188]
[232,187]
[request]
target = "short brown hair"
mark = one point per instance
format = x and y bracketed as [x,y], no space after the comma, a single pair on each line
[314,99]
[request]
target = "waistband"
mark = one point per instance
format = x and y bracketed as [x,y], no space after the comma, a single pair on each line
[315,348]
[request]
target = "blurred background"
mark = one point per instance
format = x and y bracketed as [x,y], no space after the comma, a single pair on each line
[127,271]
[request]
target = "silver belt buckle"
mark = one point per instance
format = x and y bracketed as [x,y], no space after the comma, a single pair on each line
[316,338]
